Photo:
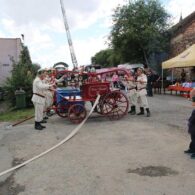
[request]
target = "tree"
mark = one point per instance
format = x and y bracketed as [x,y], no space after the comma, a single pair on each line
[106,58]
[139,30]
[35,68]
[23,73]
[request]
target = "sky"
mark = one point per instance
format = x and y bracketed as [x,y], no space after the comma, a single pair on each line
[90,22]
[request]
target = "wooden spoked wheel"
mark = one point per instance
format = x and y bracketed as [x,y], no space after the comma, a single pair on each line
[98,108]
[62,108]
[115,105]
[77,113]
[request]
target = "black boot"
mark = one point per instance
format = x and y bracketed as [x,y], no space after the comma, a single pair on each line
[189,151]
[38,126]
[131,110]
[42,126]
[134,111]
[193,156]
[141,111]
[148,112]
[43,121]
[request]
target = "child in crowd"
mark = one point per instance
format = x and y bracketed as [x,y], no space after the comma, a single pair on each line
[191,128]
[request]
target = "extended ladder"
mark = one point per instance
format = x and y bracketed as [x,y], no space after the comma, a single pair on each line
[72,53]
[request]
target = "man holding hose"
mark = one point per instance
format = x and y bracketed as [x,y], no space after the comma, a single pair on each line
[39,99]
[141,92]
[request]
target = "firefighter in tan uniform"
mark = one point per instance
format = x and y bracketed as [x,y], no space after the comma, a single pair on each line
[131,93]
[141,92]
[49,94]
[39,99]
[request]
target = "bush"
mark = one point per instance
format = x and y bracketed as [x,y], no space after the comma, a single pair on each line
[22,76]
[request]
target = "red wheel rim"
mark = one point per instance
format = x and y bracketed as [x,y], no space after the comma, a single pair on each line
[62,108]
[115,105]
[77,113]
[99,105]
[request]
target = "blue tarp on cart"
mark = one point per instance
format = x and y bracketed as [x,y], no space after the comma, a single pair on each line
[68,94]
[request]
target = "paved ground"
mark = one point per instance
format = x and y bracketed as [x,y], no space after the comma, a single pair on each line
[133,156]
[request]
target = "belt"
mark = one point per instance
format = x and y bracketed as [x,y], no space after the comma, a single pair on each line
[141,89]
[39,95]
[131,88]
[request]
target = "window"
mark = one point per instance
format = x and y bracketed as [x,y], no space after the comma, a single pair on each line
[5,64]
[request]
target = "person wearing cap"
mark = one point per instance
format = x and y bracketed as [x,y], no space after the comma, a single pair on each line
[39,99]
[191,128]
[131,92]
[141,92]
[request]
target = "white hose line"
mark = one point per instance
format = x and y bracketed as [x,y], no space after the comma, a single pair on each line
[55,146]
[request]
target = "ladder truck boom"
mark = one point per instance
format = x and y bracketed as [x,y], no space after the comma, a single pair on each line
[71,48]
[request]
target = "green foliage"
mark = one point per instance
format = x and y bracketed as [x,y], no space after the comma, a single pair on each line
[23,73]
[106,58]
[35,68]
[16,115]
[139,30]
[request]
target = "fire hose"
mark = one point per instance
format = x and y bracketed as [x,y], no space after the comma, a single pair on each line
[73,133]
[17,123]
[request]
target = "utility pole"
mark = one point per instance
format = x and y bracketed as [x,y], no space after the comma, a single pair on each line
[72,53]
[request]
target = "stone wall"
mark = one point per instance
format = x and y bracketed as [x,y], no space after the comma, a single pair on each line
[182,39]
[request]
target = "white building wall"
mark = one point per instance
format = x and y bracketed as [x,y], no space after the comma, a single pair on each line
[9,48]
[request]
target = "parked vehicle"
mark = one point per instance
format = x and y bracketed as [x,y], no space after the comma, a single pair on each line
[82,87]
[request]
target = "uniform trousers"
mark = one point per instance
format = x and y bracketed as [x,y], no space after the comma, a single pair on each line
[142,99]
[132,96]
[48,99]
[39,108]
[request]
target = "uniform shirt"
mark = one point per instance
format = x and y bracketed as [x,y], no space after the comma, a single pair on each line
[47,80]
[130,84]
[143,78]
[39,87]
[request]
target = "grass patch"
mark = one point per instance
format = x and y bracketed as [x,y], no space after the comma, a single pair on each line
[16,115]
